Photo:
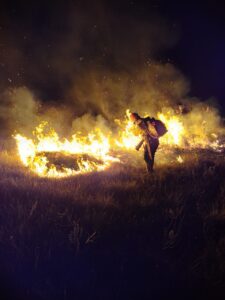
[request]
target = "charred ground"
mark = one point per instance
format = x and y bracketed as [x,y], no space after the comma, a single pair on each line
[117,234]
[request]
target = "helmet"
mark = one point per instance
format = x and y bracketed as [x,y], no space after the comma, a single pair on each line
[134,117]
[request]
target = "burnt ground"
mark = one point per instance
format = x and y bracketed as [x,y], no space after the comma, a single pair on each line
[117,234]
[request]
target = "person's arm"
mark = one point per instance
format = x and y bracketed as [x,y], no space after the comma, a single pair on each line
[139,144]
[151,129]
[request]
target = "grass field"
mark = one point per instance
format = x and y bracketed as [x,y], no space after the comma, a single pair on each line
[117,234]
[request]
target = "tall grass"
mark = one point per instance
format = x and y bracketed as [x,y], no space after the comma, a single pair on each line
[117,234]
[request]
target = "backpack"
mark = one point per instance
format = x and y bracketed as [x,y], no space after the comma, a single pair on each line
[160,127]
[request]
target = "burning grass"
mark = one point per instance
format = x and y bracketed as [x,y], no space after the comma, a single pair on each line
[116,234]
[97,151]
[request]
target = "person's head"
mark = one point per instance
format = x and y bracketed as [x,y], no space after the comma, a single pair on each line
[134,117]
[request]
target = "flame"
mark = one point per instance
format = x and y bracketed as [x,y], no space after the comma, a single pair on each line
[94,151]
[180,133]
[32,152]
[129,135]
[175,130]
[180,159]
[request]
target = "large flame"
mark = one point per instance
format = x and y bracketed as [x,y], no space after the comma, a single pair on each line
[94,151]
[179,133]
[130,135]
[32,152]
[175,130]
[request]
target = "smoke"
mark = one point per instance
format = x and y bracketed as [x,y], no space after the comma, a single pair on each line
[45,51]
[18,110]
[83,65]
[21,111]
[87,123]
[101,97]
[146,89]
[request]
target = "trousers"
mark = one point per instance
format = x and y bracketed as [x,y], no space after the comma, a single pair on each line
[152,145]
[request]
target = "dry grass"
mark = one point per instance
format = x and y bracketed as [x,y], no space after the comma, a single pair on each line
[118,234]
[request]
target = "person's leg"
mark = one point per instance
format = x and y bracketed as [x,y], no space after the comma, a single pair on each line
[154,145]
[147,159]
[152,161]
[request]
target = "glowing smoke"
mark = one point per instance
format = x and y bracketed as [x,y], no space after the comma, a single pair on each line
[88,74]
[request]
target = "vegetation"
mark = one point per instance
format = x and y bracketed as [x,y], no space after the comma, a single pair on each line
[117,234]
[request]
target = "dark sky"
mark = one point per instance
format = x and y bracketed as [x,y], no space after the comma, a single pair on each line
[42,42]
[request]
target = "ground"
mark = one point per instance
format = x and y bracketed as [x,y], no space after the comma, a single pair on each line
[116,234]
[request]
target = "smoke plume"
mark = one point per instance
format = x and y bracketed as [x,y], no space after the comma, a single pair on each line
[80,66]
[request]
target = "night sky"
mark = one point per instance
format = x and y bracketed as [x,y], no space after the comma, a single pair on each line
[42,43]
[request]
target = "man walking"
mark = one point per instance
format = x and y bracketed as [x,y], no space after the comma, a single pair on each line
[151,129]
